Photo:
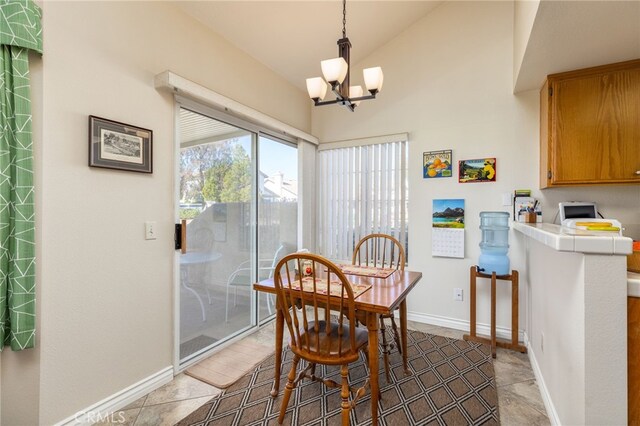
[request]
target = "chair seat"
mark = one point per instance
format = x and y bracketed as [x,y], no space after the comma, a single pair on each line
[330,346]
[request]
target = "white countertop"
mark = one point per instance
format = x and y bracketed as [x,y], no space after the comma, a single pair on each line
[576,240]
[633,284]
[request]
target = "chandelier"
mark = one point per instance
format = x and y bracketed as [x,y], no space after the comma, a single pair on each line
[336,74]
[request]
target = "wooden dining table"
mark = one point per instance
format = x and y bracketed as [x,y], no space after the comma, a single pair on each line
[384,297]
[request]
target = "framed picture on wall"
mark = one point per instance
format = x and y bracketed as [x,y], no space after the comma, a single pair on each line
[436,164]
[478,170]
[114,145]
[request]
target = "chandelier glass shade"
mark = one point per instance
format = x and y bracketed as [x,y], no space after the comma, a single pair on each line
[336,75]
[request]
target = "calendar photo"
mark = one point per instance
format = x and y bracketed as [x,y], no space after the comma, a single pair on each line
[447,232]
[448,213]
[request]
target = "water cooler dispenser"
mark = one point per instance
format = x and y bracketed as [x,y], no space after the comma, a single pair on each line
[495,243]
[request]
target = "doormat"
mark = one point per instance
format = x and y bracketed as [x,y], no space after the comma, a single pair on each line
[224,368]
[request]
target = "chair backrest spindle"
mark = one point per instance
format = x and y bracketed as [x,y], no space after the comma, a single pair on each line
[308,302]
[380,250]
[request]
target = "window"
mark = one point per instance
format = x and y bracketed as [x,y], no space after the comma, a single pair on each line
[363,189]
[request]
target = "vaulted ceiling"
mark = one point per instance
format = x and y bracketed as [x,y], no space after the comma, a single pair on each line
[292,37]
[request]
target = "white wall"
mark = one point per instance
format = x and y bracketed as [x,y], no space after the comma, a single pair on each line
[448,82]
[523,18]
[105,293]
[577,333]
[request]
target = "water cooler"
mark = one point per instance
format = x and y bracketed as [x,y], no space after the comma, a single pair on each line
[495,243]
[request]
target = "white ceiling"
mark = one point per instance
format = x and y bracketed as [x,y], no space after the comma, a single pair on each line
[292,37]
[570,35]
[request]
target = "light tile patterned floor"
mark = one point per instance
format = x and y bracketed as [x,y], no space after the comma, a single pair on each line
[519,398]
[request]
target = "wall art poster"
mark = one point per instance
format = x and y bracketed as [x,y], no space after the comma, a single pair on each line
[478,170]
[447,233]
[436,164]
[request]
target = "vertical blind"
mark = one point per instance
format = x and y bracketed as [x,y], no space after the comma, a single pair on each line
[362,190]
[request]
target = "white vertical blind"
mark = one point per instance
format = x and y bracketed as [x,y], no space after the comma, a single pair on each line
[362,190]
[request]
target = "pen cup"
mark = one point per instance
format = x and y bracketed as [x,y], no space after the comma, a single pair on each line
[530,217]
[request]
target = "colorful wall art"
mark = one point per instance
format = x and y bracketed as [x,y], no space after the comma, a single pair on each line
[478,170]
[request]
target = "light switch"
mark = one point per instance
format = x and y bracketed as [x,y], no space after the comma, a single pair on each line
[150,230]
[506,199]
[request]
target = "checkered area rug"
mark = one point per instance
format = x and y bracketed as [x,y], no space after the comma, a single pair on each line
[452,384]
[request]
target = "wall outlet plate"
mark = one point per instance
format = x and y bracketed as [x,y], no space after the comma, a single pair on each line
[457,294]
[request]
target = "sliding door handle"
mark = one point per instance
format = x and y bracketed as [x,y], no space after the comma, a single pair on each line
[180,236]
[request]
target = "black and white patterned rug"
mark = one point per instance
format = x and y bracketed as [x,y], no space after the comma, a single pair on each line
[452,384]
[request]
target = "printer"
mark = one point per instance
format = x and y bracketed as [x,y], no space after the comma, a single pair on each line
[584,215]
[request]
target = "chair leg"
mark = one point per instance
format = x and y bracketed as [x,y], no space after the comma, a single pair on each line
[291,383]
[344,394]
[396,334]
[365,351]
[385,349]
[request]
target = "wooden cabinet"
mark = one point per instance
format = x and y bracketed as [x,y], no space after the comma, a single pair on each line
[590,126]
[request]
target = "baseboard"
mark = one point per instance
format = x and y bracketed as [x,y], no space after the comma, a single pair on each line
[458,324]
[103,409]
[544,391]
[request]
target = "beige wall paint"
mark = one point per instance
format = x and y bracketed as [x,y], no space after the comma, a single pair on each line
[448,82]
[105,293]
[524,15]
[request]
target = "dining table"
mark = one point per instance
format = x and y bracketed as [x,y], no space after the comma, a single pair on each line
[385,296]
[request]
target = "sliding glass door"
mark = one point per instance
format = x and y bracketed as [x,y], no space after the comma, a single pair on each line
[237,192]
[277,209]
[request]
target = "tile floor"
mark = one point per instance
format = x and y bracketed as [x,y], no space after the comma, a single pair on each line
[519,398]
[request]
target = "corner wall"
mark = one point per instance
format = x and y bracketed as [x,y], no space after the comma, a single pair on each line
[105,294]
[448,82]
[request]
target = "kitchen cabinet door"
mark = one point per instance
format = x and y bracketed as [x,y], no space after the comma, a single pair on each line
[590,126]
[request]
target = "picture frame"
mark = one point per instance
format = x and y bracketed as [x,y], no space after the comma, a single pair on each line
[437,164]
[477,170]
[120,146]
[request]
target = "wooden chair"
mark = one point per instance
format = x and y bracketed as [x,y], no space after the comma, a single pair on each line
[316,336]
[382,251]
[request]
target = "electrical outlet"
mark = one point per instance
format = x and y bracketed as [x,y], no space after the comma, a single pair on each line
[542,342]
[457,294]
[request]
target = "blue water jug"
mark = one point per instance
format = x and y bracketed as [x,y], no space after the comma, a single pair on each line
[495,243]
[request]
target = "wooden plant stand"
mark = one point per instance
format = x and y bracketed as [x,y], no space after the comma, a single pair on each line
[472,336]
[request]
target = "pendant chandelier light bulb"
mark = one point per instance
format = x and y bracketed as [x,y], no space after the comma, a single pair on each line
[317,88]
[373,78]
[336,74]
[355,92]
[334,70]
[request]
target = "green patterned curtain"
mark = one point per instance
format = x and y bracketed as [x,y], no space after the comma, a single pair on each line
[20,31]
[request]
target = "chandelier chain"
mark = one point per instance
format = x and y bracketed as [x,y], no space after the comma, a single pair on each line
[344,18]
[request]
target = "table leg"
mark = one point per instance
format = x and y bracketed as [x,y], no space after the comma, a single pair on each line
[514,308]
[372,326]
[472,301]
[493,315]
[278,361]
[403,335]
[195,293]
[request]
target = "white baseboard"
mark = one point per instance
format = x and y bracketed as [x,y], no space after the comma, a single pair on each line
[458,324]
[103,409]
[544,391]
